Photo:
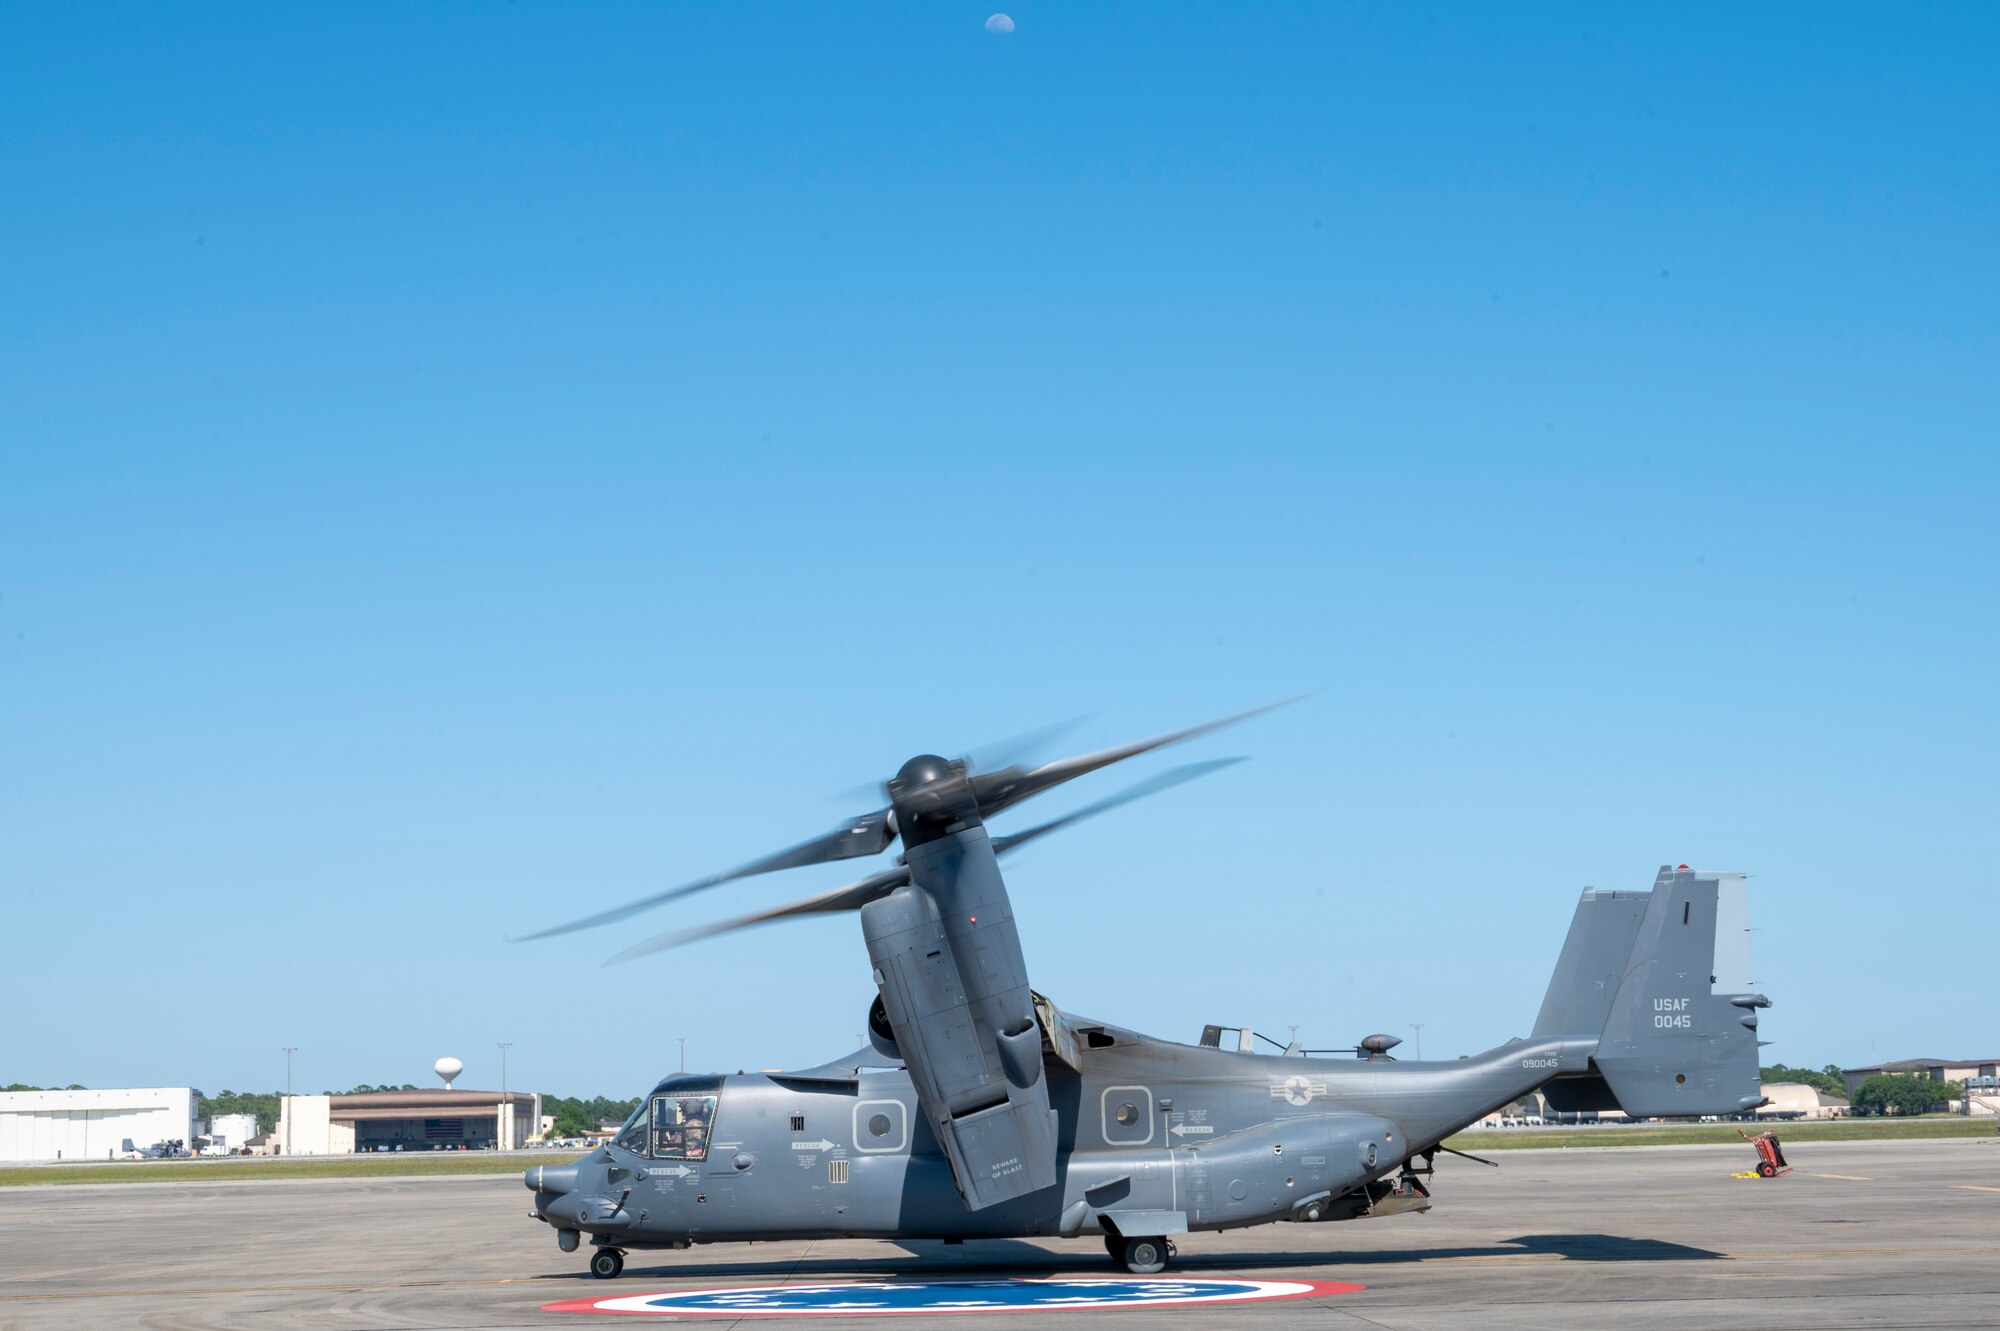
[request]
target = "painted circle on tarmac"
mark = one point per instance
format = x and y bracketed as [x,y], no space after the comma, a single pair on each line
[849,1299]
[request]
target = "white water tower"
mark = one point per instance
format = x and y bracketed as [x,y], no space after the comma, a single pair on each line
[448,1068]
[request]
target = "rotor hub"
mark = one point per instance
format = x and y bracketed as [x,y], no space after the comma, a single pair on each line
[926,769]
[929,795]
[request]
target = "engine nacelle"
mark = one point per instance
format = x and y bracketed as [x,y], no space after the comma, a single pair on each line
[879,1033]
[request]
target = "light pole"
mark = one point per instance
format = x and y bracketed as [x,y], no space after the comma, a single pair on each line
[290,1049]
[506,1105]
[1418,1027]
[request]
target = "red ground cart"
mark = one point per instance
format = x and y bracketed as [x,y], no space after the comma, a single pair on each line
[1770,1158]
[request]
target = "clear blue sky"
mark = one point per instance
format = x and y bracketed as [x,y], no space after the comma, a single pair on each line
[465,467]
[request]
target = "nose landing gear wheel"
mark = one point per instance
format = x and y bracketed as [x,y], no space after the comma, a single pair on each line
[1143,1256]
[606,1263]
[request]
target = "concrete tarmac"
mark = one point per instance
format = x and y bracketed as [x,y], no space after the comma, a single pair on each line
[1862,1234]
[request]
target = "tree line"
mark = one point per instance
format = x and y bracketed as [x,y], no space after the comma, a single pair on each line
[1882,1093]
[573,1117]
[1905,1093]
[576,1117]
[1827,1079]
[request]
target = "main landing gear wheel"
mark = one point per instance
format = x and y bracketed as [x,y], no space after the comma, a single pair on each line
[606,1263]
[1143,1256]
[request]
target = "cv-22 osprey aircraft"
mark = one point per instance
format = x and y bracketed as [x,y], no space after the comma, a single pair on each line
[984,1111]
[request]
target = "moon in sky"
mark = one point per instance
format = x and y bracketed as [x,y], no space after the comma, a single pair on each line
[999,23]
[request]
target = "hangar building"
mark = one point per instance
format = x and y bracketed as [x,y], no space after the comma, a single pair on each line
[93,1125]
[1790,1099]
[1937,1069]
[406,1120]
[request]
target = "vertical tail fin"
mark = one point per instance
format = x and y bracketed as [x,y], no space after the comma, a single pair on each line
[1661,980]
[1592,964]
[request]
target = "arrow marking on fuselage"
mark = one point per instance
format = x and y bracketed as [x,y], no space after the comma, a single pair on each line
[1183,1129]
[812,1146]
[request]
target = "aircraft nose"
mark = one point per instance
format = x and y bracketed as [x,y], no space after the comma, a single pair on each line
[556,1179]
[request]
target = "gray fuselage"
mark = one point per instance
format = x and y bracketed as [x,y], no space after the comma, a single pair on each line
[1146,1128]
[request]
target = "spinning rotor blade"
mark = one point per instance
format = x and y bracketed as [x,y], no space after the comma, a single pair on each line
[1164,781]
[852,897]
[1002,790]
[856,895]
[1018,750]
[1014,751]
[870,834]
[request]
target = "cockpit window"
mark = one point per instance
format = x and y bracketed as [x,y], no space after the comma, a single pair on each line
[682,1125]
[633,1135]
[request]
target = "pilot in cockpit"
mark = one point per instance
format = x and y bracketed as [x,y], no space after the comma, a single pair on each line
[695,1119]
[681,1126]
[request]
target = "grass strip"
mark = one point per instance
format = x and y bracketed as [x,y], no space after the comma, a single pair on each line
[432,1163]
[284,1167]
[1716,1134]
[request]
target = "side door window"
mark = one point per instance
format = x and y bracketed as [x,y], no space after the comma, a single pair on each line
[1127,1115]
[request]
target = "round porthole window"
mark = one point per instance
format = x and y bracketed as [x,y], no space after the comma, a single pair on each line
[1127,1115]
[879,1125]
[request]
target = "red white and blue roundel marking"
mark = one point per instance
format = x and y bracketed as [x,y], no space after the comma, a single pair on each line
[944,1296]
